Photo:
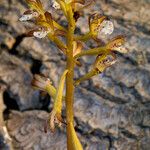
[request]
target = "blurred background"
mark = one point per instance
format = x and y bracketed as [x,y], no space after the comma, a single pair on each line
[112,111]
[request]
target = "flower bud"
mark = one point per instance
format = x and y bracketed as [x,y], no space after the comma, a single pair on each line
[28,15]
[77,47]
[117,44]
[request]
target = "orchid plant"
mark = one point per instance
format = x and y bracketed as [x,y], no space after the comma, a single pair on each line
[73,49]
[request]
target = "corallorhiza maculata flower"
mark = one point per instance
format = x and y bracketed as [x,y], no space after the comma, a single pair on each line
[73,47]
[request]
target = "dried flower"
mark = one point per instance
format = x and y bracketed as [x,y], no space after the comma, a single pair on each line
[55,119]
[28,15]
[40,82]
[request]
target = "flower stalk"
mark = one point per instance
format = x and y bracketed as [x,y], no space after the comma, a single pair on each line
[72,141]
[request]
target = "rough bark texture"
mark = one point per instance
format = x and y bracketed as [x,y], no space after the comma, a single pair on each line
[112,112]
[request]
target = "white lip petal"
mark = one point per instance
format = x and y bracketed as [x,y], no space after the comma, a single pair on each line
[106,27]
[113,62]
[55,4]
[40,34]
[121,49]
[26,17]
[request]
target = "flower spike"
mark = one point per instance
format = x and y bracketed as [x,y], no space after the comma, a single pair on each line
[72,45]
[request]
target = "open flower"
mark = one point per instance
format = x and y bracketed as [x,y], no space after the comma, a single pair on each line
[41,32]
[103,62]
[117,44]
[100,25]
[105,28]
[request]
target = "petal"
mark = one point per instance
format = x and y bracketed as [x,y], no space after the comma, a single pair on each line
[116,42]
[68,1]
[121,49]
[28,15]
[106,27]
[55,4]
[41,33]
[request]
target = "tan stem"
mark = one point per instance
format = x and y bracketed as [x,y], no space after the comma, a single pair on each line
[93,51]
[73,142]
[86,76]
[83,38]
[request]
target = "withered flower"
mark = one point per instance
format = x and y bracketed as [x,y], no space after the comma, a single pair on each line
[40,82]
[44,84]
[55,119]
